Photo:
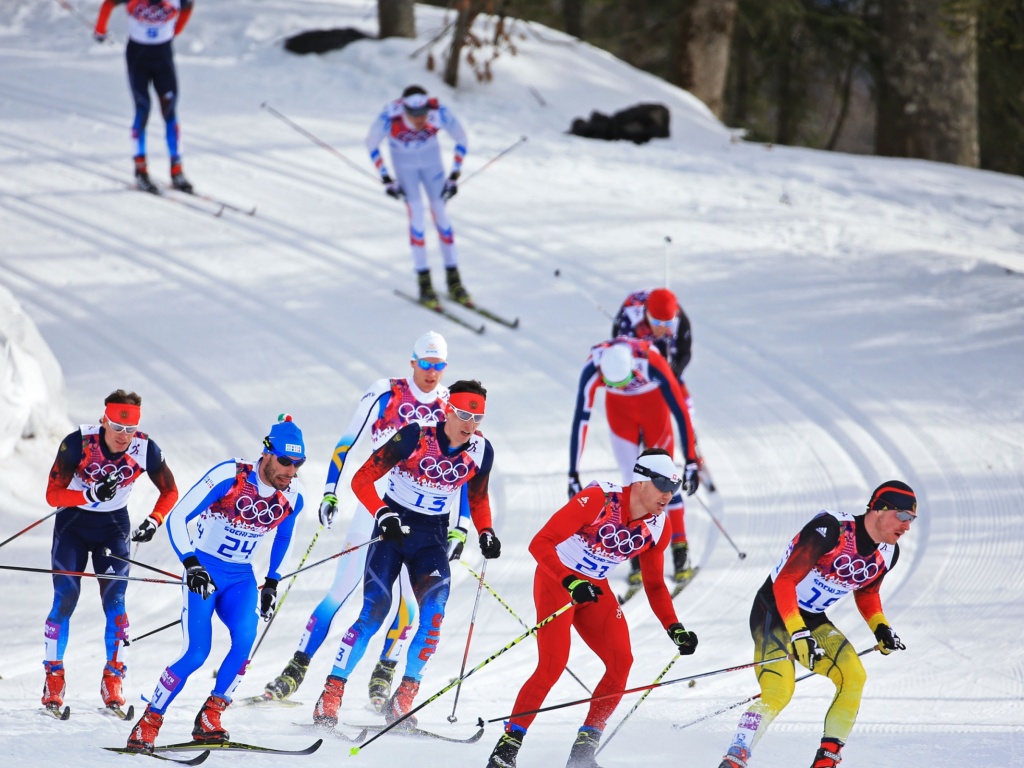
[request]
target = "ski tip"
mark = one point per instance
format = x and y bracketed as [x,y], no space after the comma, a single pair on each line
[66,713]
[252,212]
[480,722]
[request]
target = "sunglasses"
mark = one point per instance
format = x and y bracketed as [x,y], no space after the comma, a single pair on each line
[426,365]
[288,461]
[662,483]
[467,415]
[905,515]
[122,429]
[659,323]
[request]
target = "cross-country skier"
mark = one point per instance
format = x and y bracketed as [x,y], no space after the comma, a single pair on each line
[91,480]
[232,507]
[642,396]
[602,526]
[411,124]
[386,407]
[426,467]
[152,27]
[655,315]
[832,555]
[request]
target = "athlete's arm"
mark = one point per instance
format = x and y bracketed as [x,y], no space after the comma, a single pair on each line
[451,124]
[582,509]
[668,384]
[63,471]
[869,598]
[652,568]
[590,380]
[371,404]
[211,486]
[183,17]
[479,502]
[283,539]
[162,478]
[819,536]
[683,345]
[380,463]
[378,130]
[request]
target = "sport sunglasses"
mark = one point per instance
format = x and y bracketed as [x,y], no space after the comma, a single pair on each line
[283,459]
[122,429]
[426,365]
[662,483]
[905,515]
[467,415]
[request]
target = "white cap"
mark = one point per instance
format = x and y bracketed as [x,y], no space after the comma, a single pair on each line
[616,363]
[658,463]
[430,344]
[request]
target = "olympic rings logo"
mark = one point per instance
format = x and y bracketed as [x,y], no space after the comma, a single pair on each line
[620,539]
[98,472]
[258,510]
[445,470]
[858,570]
[412,412]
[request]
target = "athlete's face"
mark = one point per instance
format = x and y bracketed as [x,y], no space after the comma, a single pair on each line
[888,526]
[416,122]
[426,380]
[117,441]
[458,431]
[647,500]
[658,328]
[274,474]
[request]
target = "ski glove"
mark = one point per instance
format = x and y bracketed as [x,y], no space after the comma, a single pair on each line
[146,530]
[805,648]
[99,37]
[574,484]
[198,578]
[451,186]
[390,525]
[691,478]
[582,591]
[268,598]
[685,640]
[104,490]
[328,509]
[456,541]
[392,187]
[490,547]
[888,641]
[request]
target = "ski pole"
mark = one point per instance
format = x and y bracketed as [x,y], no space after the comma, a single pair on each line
[756,696]
[515,616]
[668,242]
[651,686]
[54,572]
[675,658]
[332,557]
[29,527]
[496,158]
[319,142]
[285,595]
[153,632]
[465,656]
[533,630]
[741,553]
[108,553]
[588,296]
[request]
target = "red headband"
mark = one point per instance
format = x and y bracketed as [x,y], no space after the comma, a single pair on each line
[126,414]
[467,401]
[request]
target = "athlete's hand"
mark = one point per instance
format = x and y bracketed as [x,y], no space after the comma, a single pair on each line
[685,640]
[99,37]
[268,598]
[390,525]
[490,547]
[328,509]
[691,478]
[582,591]
[451,186]
[805,648]
[145,531]
[104,490]
[197,578]
[574,484]
[392,187]
[456,541]
[888,641]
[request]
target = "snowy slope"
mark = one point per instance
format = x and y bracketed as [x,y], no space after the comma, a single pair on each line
[855,319]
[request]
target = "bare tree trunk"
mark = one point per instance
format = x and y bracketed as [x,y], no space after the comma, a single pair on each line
[928,89]
[701,63]
[572,12]
[396,18]
[464,21]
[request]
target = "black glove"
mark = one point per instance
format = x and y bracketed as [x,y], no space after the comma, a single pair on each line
[390,525]
[328,509]
[146,530]
[685,640]
[104,490]
[451,186]
[197,578]
[392,187]
[99,37]
[574,484]
[805,648]
[691,478]
[888,641]
[268,598]
[490,547]
[582,591]
[456,542]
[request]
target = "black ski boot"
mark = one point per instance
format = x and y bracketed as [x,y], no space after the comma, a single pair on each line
[428,296]
[456,290]
[681,562]
[178,180]
[584,750]
[288,682]
[142,180]
[380,684]
[505,751]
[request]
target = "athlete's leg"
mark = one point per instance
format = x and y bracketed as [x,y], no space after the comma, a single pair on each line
[602,626]
[138,80]
[165,82]
[433,184]
[236,607]
[112,592]
[843,667]
[430,575]
[69,552]
[624,420]
[197,632]
[405,617]
[409,179]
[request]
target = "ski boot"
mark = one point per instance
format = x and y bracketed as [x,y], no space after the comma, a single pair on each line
[827,755]
[456,290]
[53,685]
[681,562]
[288,682]
[178,180]
[208,726]
[399,704]
[110,685]
[142,181]
[428,296]
[736,757]
[380,684]
[325,713]
[585,748]
[506,750]
[143,735]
